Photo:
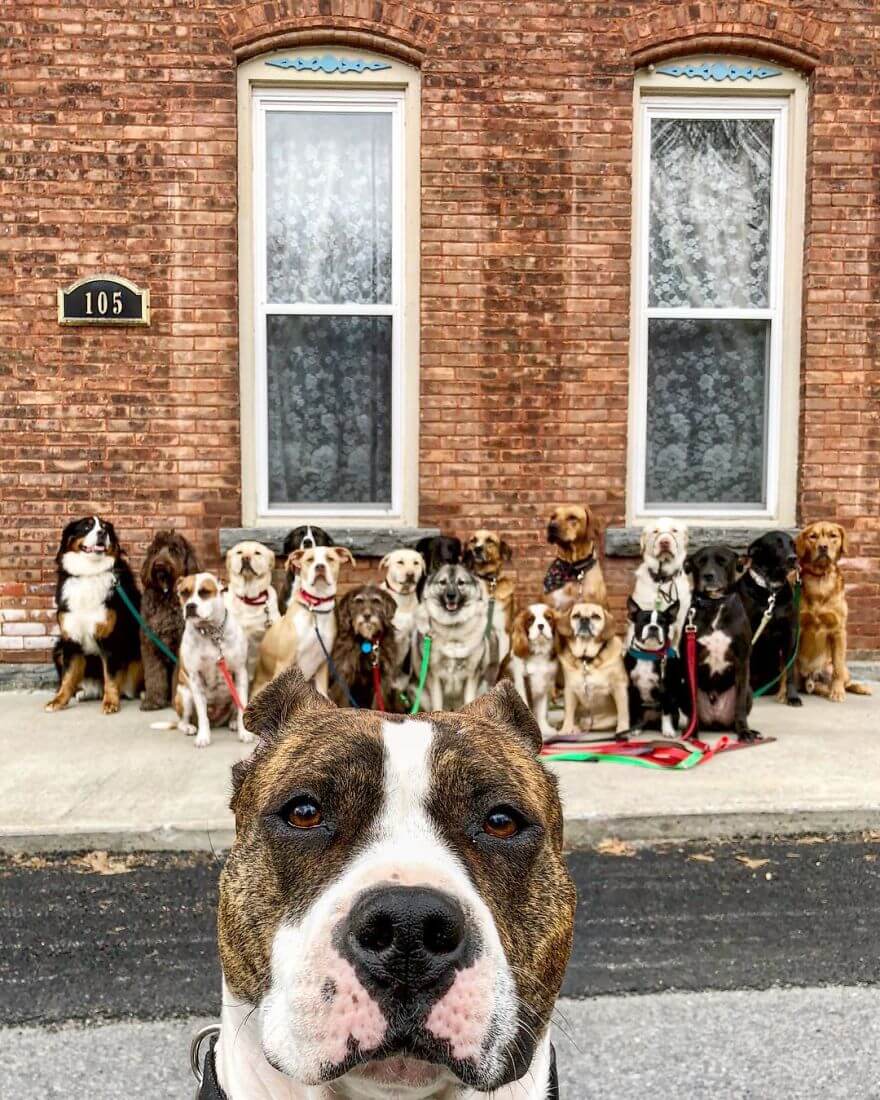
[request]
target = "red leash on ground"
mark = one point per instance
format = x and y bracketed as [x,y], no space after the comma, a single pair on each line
[230,683]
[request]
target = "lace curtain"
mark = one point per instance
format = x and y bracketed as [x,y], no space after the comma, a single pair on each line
[329,241]
[709,247]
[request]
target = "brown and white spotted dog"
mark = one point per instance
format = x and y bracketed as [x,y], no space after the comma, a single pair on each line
[395,913]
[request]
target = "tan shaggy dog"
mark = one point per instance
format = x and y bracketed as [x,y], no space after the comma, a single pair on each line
[592,666]
[575,574]
[821,660]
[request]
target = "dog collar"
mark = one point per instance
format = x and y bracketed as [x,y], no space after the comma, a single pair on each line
[213,633]
[255,601]
[699,599]
[762,582]
[651,654]
[659,576]
[313,602]
[209,1089]
[562,572]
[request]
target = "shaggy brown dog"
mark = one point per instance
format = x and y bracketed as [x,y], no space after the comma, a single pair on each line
[575,573]
[821,659]
[169,557]
[365,634]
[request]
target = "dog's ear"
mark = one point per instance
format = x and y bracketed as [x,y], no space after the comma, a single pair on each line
[294,560]
[800,544]
[113,538]
[389,605]
[843,546]
[185,586]
[467,559]
[740,564]
[688,565]
[147,568]
[384,563]
[343,615]
[505,550]
[563,624]
[287,695]
[519,639]
[343,553]
[608,626]
[190,560]
[632,607]
[591,534]
[643,540]
[505,705]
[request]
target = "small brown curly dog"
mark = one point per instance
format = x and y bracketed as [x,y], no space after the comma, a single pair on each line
[169,557]
[365,617]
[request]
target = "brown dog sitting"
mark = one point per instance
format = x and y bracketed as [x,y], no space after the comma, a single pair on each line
[486,554]
[821,659]
[169,557]
[575,574]
[364,640]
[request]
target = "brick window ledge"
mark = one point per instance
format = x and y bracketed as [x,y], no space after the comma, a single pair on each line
[363,542]
[623,542]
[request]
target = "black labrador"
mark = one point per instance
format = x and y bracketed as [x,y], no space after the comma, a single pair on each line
[765,587]
[724,642]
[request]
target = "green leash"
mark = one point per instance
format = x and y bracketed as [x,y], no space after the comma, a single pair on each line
[797,641]
[423,674]
[157,642]
[491,617]
[594,757]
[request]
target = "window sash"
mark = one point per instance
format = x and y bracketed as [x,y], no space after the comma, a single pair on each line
[713,107]
[343,100]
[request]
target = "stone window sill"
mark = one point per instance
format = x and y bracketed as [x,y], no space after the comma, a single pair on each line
[363,542]
[623,542]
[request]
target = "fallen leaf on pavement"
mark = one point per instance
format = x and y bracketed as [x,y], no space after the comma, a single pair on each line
[811,840]
[752,864]
[102,863]
[701,857]
[870,859]
[612,846]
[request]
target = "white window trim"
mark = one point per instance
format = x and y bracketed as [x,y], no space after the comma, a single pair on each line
[260,90]
[658,97]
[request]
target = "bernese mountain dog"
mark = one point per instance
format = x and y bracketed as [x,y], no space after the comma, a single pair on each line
[99,635]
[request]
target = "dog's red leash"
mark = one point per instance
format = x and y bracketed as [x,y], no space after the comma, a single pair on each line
[378,697]
[230,683]
[690,664]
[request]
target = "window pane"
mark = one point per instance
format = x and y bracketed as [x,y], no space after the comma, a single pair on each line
[710,212]
[707,411]
[329,401]
[328,207]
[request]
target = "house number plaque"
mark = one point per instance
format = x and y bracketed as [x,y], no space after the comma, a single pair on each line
[103,300]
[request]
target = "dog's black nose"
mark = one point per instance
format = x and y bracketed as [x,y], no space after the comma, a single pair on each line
[190,610]
[406,941]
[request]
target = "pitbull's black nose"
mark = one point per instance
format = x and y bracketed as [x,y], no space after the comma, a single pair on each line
[406,941]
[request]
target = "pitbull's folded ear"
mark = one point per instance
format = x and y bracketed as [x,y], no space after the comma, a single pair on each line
[282,698]
[505,704]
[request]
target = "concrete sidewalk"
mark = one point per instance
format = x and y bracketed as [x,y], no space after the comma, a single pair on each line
[79,780]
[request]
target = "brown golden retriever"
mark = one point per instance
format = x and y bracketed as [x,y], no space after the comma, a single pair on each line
[575,573]
[821,659]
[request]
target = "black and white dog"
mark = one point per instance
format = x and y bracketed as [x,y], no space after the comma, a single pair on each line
[654,668]
[724,643]
[99,635]
[766,593]
[300,538]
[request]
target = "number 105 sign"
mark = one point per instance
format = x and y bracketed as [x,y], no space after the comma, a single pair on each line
[103,300]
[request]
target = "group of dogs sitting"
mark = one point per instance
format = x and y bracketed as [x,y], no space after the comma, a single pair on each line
[442,625]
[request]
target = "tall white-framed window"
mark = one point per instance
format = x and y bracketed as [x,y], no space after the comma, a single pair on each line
[330,289]
[715,354]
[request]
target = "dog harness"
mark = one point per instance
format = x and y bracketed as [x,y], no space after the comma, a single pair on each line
[209,1086]
[636,651]
[563,572]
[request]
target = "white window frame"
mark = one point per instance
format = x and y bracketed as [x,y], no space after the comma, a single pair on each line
[784,92]
[730,107]
[345,101]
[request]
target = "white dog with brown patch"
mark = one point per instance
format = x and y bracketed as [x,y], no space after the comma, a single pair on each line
[395,913]
[660,579]
[305,634]
[250,596]
[210,635]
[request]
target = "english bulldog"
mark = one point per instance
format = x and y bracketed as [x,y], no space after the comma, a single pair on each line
[395,914]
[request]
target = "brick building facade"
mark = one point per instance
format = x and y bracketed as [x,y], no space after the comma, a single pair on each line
[120,151]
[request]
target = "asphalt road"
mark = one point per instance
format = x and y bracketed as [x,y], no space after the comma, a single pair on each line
[677,985]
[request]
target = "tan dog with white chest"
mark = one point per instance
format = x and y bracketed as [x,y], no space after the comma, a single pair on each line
[575,573]
[306,632]
[395,913]
[250,596]
[596,680]
[821,657]
[403,570]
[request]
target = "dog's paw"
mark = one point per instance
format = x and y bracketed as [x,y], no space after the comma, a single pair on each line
[54,705]
[794,701]
[152,704]
[188,728]
[245,736]
[110,706]
[202,740]
[837,694]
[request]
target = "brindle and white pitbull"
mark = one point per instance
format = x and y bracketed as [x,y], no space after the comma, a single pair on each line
[395,913]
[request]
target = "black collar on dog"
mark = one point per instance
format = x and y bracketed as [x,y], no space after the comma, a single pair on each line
[699,599]
[210,1087]
[562,572]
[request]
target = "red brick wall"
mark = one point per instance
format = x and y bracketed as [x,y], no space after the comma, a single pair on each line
[117,152]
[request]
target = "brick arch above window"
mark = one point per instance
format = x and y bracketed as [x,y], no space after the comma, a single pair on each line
[754,29]
[397,28]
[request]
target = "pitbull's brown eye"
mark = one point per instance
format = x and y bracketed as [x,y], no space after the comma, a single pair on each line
[303,813]
[501,823]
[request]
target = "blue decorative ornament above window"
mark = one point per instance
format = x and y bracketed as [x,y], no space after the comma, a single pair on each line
[719,70]
[327,64]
